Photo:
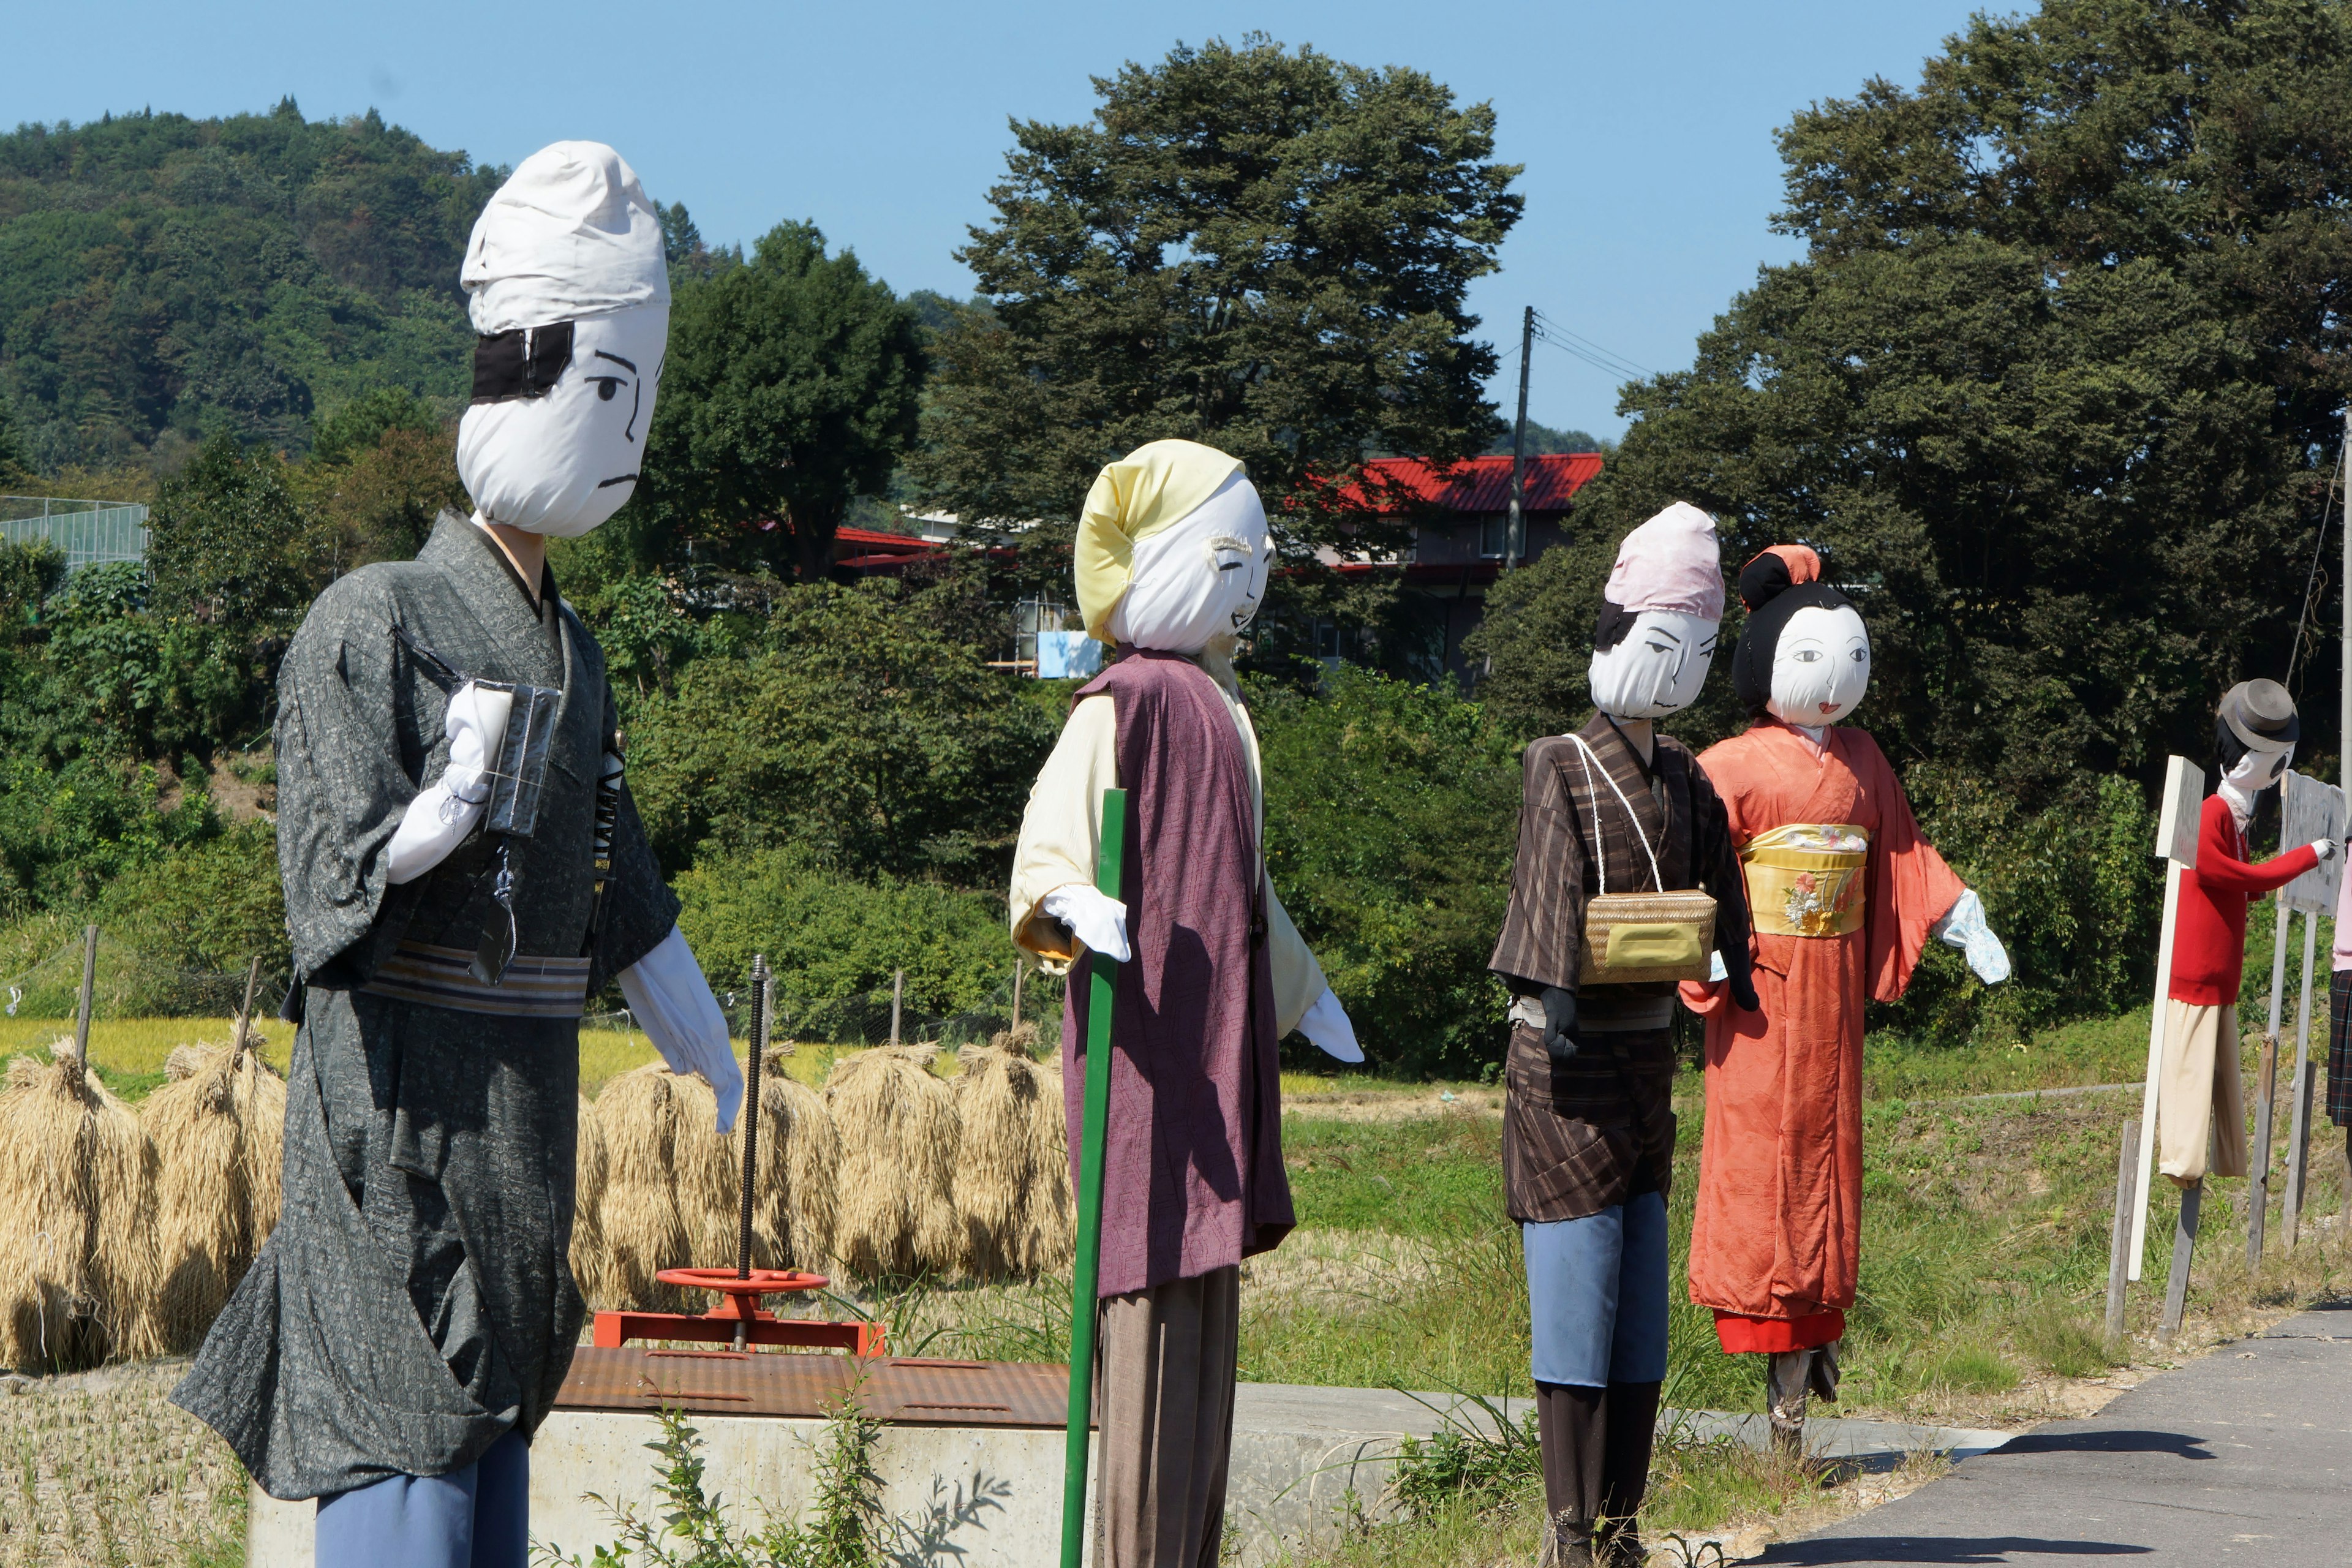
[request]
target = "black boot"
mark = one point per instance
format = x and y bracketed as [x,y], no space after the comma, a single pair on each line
[1633,1417]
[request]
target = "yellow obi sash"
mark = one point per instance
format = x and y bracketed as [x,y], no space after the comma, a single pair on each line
[1805,878]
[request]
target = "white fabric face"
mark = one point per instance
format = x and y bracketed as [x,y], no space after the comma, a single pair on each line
[1656,668]
[563,463]
[2257,771]
[1822,667]
[1198,578]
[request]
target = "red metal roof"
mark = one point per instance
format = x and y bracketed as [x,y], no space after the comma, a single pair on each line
[1473,485]
[875,543]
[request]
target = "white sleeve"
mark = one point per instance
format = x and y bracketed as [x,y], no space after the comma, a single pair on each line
[672,1003]
[1063,823]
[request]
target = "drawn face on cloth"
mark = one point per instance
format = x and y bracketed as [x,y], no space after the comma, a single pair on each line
[1804,654]
[1659,617]
[1201,578]
[2254,734]
[571,298]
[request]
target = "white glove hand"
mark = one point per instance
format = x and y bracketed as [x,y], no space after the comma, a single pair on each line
[2324,849]
[1326,1026]
[1963,926]
[672,1003]
[1093,916]
[444,811]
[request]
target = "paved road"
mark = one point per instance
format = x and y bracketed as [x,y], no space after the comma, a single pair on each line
[2244,1457]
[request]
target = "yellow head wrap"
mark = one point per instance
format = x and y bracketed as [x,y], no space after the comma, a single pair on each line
[1157,484]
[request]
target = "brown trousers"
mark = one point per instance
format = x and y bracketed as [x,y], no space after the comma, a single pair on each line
[1596,1465]
[1165,1399]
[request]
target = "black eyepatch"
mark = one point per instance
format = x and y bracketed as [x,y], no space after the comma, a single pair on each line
[522,363]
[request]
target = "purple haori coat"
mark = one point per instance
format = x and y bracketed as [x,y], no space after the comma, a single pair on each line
[1192,1174]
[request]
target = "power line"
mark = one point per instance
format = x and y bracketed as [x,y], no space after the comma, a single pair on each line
[1577,346]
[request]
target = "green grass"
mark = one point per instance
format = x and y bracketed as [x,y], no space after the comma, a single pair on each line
[1424,1176]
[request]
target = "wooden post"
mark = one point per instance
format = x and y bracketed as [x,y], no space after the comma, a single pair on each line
[2258,1197]
[2127,1170]
[2176,844]
[897,996]
[88,989]
[245,1013]
[2184,1242]
[1020,968]
[2298,1150]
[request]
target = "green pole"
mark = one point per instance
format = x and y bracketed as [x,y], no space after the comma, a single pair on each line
[1102,971]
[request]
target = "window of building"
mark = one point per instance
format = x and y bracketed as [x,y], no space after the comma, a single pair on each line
[1493,536]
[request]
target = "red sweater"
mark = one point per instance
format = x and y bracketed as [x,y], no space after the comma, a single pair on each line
[2208,944]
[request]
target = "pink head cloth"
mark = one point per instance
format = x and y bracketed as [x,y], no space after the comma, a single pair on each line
[1670,562]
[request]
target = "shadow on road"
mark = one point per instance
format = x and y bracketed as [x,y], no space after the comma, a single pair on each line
[1944,1549]
[2179,1445]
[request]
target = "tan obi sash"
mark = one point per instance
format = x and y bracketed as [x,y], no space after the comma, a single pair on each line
[1805,878]
[443,977]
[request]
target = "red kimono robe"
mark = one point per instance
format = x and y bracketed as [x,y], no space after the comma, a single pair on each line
[1777,1240]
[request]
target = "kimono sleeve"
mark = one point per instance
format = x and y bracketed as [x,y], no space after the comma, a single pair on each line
[342,780]
[1911,887]
[1542,941]
[1062,824]
[639,908]
[1715,862]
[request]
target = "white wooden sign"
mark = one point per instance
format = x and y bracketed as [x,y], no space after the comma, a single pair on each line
[2309,810]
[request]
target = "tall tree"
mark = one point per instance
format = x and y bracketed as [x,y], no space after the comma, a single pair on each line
[2054,389]
[791,389]
[1253,247]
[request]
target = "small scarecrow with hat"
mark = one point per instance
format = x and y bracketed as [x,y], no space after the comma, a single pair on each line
[1846,893]
[2199,1109]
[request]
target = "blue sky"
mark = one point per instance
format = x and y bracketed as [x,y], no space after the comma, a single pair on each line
[1646,130]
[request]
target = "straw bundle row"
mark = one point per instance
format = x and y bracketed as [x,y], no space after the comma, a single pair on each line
[796,1192]
[78,1264]
[1013,1177]
[637,1120]
[216,1125]
[898,1142]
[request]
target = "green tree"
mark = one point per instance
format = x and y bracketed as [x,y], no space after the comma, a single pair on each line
[860,728]
[1263,249]
[2054,389]
[1391,816]
[791,389]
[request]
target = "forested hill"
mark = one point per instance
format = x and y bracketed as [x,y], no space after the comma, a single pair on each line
[162,278]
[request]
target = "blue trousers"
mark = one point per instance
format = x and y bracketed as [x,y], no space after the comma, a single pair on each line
[479,1517]
[1597,1295]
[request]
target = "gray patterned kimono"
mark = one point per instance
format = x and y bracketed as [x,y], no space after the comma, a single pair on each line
[414,1303]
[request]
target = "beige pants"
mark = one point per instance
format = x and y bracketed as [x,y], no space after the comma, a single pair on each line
[2199,1104]
[1166,1404]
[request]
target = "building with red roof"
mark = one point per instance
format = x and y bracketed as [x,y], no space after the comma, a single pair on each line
[1459,516]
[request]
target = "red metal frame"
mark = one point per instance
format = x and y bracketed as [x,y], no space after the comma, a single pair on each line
[739,1311]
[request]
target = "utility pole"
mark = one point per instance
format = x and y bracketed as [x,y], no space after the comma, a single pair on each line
[2344,724]
[1514,533]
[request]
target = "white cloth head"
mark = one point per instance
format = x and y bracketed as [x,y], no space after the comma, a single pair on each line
[570,235]
[563,463]
[1198,578]
[1822,667]
[1657,667]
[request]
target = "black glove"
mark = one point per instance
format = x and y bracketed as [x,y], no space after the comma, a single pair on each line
[1560,1023]
[1743,991]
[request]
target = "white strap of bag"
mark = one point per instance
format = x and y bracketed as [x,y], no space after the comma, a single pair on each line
[1601,854]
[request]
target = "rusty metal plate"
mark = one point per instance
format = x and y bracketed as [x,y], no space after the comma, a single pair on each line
[909,1391]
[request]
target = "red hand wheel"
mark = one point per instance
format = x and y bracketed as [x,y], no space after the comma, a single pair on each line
[742,1291]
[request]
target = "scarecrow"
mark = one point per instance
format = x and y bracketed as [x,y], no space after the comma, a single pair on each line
[1171,560]
[462,867]
[2201,1113]
[1616,809]
[1846,893]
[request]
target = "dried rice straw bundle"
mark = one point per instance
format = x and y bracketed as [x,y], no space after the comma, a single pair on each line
[591,1259]
[202,1205]
[795,1194]
[898,1137]
[637,1117]
[78,1272]
[1011,1189]
[708,1166]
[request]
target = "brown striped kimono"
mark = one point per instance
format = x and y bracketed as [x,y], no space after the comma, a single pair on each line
[1586,1135]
